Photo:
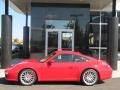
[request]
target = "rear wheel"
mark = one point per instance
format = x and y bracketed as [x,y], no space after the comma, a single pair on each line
[89,77]
[27,77]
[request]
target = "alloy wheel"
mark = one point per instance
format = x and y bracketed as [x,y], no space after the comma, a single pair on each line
[90,77]
[27,77]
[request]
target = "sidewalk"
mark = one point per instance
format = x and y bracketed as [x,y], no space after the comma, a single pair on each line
[116,73]
[2,73]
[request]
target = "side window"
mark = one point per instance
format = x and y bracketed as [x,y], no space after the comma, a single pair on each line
[79,58]
[64,58]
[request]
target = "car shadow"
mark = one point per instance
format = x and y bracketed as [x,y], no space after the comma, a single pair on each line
[5,82]
[64,83]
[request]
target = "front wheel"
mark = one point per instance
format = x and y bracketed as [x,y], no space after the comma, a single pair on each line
[89,77]
[27,77]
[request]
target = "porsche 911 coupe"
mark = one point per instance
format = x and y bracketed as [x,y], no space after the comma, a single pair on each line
[60,66]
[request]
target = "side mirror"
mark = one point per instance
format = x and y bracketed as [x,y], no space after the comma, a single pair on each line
[50,62]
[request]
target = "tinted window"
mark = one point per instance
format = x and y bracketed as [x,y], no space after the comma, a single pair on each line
[79,58]
[64,58]
[63,17]
[60,24]
[69,58]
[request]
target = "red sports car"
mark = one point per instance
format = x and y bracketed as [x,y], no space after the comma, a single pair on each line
[60,66]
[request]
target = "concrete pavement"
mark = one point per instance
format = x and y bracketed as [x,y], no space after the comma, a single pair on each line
[112,84]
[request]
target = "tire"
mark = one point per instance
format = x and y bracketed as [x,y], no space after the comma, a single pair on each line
[89,77]
[27,77]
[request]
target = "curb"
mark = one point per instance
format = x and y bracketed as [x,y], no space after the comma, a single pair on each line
[116,74]
[2,73]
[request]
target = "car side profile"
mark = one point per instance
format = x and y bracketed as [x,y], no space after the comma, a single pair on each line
[60,66]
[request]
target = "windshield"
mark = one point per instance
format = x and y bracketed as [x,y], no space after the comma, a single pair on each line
[46,57]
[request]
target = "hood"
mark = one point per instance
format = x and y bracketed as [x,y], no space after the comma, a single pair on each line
[17,61]
[30,60]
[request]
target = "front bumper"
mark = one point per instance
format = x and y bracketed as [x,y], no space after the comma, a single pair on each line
[10,75]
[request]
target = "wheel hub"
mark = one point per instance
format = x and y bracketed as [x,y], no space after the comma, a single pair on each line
[90,77]
[27,77]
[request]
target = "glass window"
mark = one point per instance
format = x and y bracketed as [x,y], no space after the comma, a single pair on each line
[95,17]
[104,54]
[66,40]
[63,18]
[105,17]
[98,48]
[77,58]
[95,52]
[64,58]
[104,35]
[69,58]
[94,36]
[60,24]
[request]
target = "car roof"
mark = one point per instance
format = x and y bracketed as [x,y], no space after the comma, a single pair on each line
[67,51]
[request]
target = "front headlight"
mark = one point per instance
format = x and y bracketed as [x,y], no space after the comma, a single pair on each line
[6,72]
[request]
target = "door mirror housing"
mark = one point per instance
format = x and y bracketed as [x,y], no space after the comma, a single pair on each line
[50,62]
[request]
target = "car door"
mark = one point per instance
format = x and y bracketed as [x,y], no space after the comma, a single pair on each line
[60,68]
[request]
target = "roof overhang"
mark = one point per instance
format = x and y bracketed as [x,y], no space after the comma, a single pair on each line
[94,4]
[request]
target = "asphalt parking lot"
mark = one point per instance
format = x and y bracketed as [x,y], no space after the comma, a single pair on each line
[112,84]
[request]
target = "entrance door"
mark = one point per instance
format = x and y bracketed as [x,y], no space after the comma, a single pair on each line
[59,36]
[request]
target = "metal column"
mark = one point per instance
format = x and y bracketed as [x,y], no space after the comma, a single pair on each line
[113,38]
[113,42]
[6,37]
[26,52]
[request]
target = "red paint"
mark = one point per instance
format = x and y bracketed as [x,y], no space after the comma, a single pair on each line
[60,71]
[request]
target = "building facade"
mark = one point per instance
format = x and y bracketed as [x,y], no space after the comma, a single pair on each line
[77,25]
[90,29]
[70,25]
